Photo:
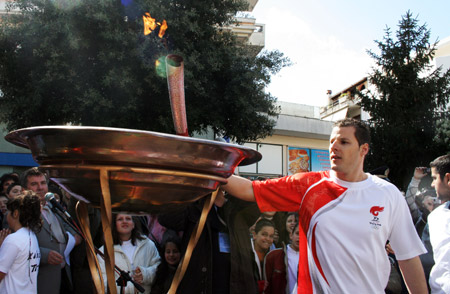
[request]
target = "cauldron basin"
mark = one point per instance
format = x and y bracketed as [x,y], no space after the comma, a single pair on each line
[147,171]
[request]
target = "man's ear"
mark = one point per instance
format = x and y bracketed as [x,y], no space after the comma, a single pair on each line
[364,148]
[447,179]
[15,214]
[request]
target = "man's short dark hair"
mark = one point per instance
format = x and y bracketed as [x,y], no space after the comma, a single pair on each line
[362,131]
[34,171]
[442,165]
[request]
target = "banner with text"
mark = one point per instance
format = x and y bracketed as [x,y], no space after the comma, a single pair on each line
[320,160]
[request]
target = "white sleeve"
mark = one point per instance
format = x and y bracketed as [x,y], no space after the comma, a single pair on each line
[410,197]
[440,274]
[149,272]
[439,225]
[8,253]
[403,237]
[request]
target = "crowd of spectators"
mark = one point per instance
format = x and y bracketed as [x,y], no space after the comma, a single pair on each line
[234,242]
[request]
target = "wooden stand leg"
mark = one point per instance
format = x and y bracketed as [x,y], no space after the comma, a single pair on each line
[106,223]
[83,218]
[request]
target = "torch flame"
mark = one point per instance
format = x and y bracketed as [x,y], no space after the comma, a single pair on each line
[150,25]
[163,28]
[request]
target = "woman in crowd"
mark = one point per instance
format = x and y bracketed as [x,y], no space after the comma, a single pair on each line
[262,240]
[13,190]
[19,252]
[133,252]
[170,250]
[290,220]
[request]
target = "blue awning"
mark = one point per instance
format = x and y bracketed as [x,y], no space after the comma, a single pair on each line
[17,159]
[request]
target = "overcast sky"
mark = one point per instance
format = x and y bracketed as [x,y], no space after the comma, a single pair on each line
[327,40]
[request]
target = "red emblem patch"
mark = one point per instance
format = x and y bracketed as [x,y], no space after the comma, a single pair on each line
[375,210]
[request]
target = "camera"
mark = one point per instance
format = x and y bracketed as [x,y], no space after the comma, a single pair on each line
[427,170]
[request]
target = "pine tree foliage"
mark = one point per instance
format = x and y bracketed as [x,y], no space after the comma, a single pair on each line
[88,62]
[442,137]
[410,96]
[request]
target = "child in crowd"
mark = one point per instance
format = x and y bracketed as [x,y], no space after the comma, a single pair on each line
[13,190]
[170,250]
[19,252]
[278,220]
[262,241]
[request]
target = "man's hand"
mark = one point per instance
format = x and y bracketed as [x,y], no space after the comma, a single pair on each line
[54,258]
[420,172]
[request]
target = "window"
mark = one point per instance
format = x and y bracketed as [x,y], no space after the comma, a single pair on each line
[271,162]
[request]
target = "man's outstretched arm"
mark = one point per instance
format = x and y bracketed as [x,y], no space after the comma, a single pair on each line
[240,187]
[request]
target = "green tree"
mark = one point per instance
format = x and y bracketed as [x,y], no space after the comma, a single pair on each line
[88,62]
[442,137]
[407,102]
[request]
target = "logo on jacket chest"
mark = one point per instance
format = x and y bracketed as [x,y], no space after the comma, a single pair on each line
[375,222]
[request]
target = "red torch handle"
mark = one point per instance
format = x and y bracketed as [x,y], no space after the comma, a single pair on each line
[175,81]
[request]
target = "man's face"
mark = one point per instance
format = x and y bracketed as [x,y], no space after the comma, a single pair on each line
[442,186]
[346,156]
[38,184]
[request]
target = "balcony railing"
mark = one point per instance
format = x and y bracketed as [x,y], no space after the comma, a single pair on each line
[338,104]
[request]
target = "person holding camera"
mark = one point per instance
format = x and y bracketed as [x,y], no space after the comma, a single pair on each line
[420,206]
[420,203]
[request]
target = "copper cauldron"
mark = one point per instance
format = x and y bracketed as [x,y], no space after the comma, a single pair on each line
[147,171]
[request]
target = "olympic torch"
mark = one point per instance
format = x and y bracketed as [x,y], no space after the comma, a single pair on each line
[175,81]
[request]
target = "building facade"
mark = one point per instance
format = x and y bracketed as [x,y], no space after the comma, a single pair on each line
[299,143]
